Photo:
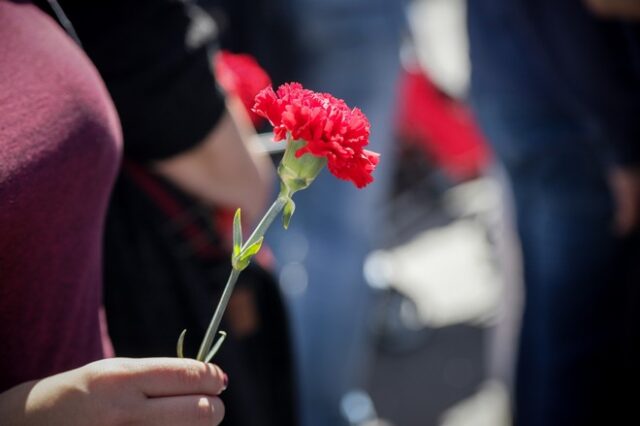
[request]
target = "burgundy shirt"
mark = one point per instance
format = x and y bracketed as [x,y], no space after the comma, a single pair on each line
[59,152]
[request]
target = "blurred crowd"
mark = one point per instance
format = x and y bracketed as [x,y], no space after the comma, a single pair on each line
[507,199]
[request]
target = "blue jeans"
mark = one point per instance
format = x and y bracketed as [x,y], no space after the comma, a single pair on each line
[569,366]
[321,255]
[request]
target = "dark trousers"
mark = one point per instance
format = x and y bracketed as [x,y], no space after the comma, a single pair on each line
[572,365]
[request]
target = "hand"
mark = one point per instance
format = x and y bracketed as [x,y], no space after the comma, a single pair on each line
[625,186]
[621,9]
[118,391]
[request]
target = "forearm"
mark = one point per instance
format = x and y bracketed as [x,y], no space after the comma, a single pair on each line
[42,402]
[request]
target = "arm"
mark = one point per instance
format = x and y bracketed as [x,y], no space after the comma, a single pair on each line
[226,168]
[173,115]
[152,391]
[602,71]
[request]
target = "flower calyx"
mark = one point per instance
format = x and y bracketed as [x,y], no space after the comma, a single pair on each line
[297,171]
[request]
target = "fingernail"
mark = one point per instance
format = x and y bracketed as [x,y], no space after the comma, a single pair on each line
[225,381]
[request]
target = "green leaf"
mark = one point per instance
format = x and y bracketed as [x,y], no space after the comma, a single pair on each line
[237,234]
[289,208]
[216,347]
[250,251]
[241,261]
[180,344]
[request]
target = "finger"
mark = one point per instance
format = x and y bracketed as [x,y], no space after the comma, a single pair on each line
[157,377]
[188,410]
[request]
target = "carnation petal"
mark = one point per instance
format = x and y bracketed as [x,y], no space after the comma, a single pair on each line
[330,128]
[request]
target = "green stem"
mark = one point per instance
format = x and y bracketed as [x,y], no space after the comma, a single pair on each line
[260,230]
[266,221]
[217,316]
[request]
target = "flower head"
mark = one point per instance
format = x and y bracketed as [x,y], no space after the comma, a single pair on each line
[329,127]
[241,75]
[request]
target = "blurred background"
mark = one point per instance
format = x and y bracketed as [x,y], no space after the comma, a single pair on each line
[441,358]
[402,301]
[439,329]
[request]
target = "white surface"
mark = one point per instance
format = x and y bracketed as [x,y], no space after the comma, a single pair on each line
[487,407]
[448,273]
[439,31]
[263,142]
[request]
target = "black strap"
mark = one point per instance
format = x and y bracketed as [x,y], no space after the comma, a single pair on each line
[53,8]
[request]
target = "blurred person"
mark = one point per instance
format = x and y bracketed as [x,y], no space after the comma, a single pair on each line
[188,159]
[255,27]
[60,145]
[349,48]
[556,90]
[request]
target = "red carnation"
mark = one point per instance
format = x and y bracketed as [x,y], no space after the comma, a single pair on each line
[330,128]
[320,130]
[242,76]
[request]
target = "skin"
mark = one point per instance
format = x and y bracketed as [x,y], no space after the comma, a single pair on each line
[620,9]
[120,391]
[625,185]
[225,169]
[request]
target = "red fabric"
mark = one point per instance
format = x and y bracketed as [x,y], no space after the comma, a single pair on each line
[241,75]
[59,151]
[443,127]
[190,230]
